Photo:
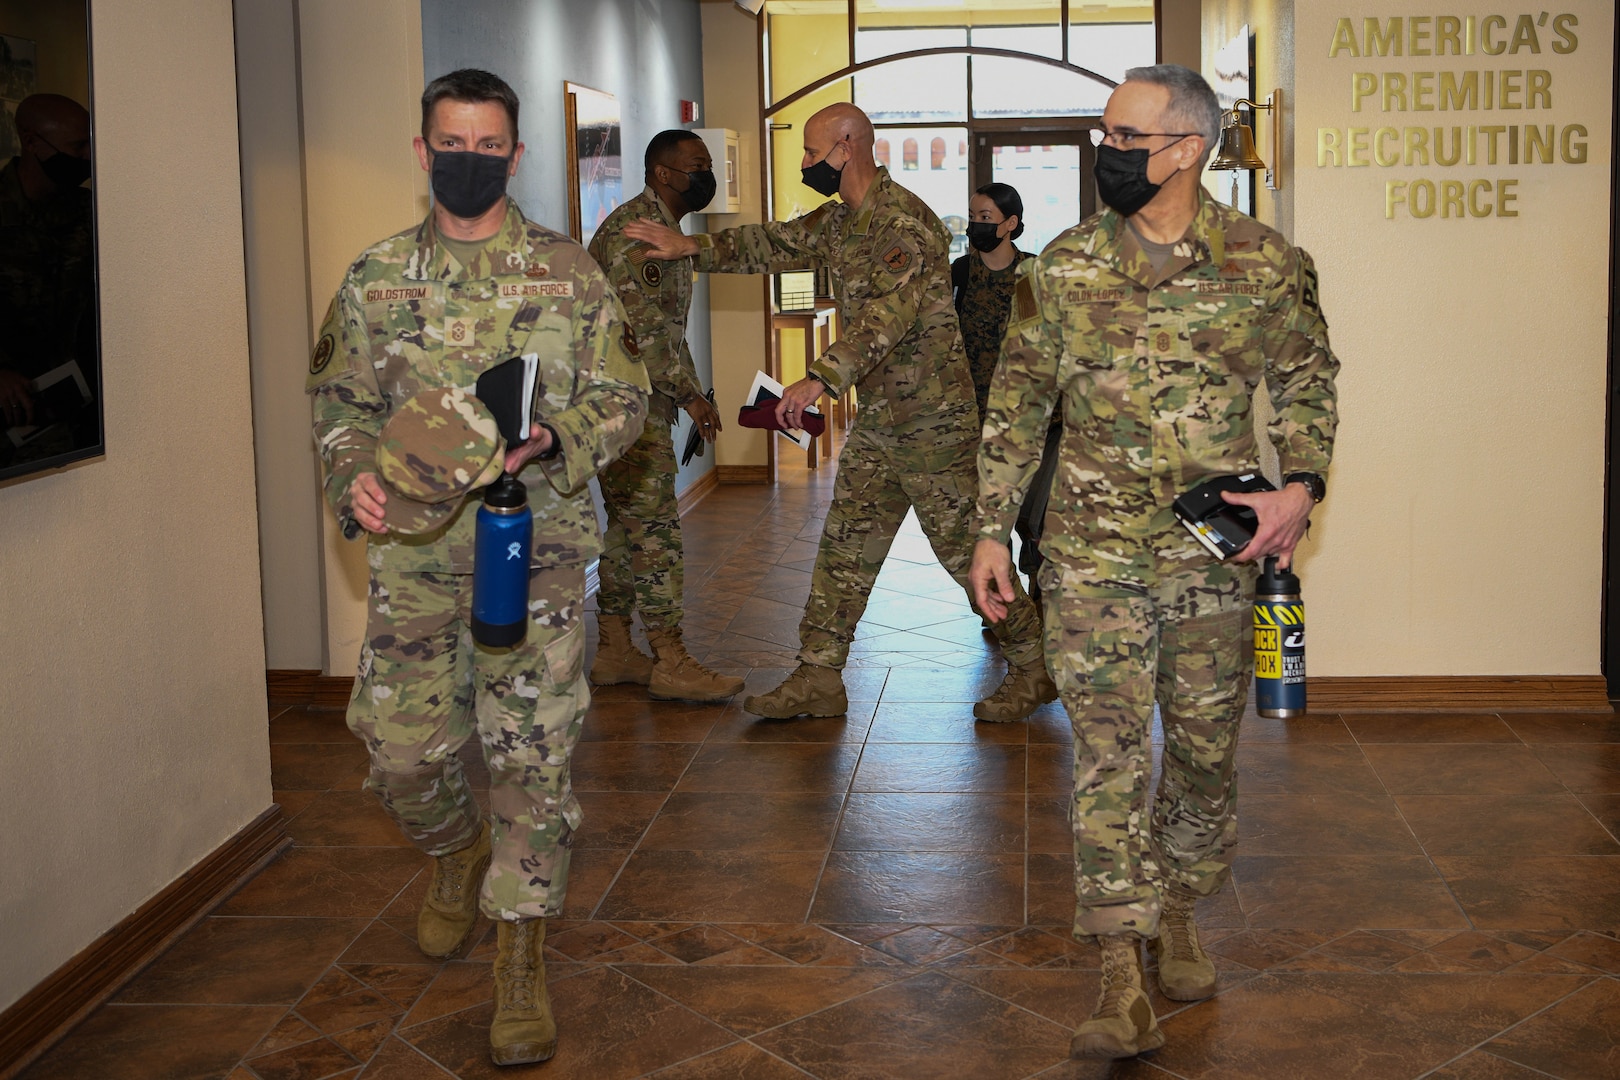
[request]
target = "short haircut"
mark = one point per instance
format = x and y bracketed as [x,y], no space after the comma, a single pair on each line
[1008,201]
[663,146]
[473,86]
[1192,106]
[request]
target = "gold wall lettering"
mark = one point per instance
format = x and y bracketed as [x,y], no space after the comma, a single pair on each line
[1455,142]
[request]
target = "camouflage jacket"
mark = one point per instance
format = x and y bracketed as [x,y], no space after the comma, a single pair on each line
[890,264]
[1155,375]
[409,317]
[656,297]
[982,302]
[47,278]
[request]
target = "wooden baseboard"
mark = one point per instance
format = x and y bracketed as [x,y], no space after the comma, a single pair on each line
[743,474]
[50,1010]
[290,686]
[307,689]
[1458,693]
[697,490]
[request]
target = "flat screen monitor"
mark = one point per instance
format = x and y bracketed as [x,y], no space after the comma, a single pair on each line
[50,341]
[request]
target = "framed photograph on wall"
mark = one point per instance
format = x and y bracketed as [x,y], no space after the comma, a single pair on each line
[595,167]
[50,340]
[1233,82]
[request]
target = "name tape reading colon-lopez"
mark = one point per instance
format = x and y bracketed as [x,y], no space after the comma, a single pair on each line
[1459,98]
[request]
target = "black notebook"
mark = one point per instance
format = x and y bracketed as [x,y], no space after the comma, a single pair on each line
[508,390]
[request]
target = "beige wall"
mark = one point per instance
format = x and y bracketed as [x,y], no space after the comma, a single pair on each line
[361,82]
[279,333]
[1463,529]
[737,314]
[131,649]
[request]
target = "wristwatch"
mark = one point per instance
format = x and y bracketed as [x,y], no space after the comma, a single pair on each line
[1313,483]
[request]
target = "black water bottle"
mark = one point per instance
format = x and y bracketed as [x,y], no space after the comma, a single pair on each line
[1279,643]
[500,608]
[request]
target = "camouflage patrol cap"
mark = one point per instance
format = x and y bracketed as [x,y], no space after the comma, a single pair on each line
[439,445]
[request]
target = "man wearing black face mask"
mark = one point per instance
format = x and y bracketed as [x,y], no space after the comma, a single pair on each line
[419,317]
[914,439]
[641,565]
[1151,325]
[47,279]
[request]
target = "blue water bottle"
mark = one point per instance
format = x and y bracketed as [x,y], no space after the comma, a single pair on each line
[1279,643]
[500,609]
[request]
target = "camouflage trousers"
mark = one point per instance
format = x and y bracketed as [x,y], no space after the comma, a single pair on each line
[424,686]
[641,566]
[1187,644]
[930,465]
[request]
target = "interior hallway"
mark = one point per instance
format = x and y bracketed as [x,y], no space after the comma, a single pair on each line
[888,894]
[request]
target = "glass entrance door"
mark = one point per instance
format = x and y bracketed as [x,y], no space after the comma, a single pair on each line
[1051,170]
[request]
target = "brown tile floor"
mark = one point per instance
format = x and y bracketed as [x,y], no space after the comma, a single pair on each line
[887,894]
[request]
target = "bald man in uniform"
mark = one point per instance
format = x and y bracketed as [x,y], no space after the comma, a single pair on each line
[917,433]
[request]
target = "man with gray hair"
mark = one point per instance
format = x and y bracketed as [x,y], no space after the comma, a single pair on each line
[1150,325]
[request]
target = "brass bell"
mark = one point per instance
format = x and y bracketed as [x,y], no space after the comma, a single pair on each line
[1236,148]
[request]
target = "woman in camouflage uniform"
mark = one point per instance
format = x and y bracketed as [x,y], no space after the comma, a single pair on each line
[982,281]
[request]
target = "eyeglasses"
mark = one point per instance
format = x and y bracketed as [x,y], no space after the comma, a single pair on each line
[1126,140]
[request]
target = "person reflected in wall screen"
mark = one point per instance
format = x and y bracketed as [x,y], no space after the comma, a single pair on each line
[642,566]
[48,343]
[1149,327]
[914,438]
[982,283]
[405,448]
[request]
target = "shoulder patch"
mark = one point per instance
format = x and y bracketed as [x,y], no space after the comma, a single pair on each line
[1308,295]
[652,273]
[322,354]
[897,258]
[1025,307]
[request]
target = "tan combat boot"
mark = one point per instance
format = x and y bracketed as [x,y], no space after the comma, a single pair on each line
[1024,690]
[1122,1025]
[451,906]
[678,677]
[617,658]
[811,690]
[523,1030]
[1185,972]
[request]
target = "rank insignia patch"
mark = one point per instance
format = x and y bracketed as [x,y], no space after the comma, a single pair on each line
[630,345]
[322,354]
[652,273]
[896,258]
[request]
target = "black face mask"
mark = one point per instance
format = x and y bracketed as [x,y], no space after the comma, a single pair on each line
[700,189]
[982,235]
[467,184]
[65,170]
[822,178]
[1122,180]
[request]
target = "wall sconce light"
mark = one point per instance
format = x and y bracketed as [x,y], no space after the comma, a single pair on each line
[1236,148]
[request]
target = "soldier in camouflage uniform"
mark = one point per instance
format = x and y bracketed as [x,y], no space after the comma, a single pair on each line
[915,437]
[427,311]
[1150,325]
[47,270]
[641,566]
